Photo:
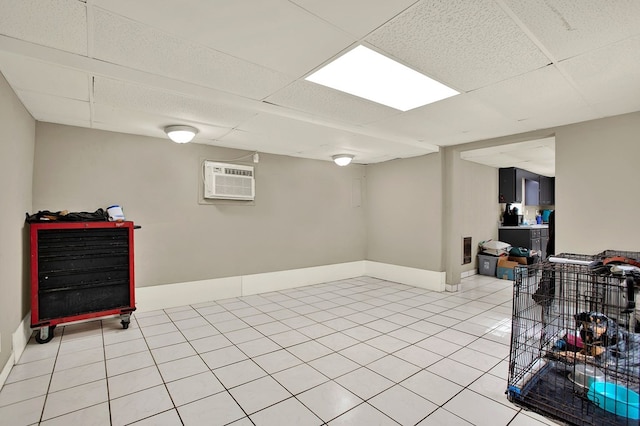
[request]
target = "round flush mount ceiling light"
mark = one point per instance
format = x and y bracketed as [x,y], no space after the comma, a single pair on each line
[342,159]
[181,134]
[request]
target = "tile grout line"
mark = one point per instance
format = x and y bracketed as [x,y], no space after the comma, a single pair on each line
[356,300]
[46,395]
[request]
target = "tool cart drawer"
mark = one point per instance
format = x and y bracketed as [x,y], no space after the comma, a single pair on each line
[81,270]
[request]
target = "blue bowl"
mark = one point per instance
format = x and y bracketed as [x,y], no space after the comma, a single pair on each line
[615,399]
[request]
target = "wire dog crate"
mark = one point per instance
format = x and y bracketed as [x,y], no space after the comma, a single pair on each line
[575,346]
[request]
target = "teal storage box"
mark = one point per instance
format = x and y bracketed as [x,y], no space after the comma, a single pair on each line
[487,265]
[615,399]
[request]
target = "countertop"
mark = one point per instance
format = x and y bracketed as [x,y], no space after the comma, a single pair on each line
[543,226]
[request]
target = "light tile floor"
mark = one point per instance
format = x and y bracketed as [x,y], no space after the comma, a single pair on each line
[361,351]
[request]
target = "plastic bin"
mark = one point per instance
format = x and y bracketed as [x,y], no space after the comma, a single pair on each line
[615,399]
[487,265]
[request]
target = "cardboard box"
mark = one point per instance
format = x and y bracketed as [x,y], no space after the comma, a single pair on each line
[520,260]
[505,267]
[524,260]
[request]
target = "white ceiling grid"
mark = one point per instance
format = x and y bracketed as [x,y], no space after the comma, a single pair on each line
[44,77]
[537,156]
[122,41]
[61,24]
[536,92]
[568,28]
[356,17]
[464,44]
[139,98]
[235,69]
[333,104]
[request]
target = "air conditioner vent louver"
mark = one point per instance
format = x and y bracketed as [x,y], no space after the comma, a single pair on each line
[228,181]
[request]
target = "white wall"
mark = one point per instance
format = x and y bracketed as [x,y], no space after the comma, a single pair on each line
[404,212]
[16,169]
[479,193]
[597,177]
[303,215]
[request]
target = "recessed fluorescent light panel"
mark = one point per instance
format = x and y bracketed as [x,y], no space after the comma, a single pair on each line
[370,75]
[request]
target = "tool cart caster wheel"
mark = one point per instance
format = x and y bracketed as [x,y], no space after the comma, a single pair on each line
[45,334]
[125,320]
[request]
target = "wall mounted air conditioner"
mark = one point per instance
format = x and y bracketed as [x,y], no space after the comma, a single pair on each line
[228,181]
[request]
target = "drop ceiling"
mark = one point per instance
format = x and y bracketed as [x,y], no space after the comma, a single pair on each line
[537,156]
[236,69]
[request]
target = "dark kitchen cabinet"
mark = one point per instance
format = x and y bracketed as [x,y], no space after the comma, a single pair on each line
[510,185]
[539,190]
[531,192]
[530,238]
[544,239]
[547,191]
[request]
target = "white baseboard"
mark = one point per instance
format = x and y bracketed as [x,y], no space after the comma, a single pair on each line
[19,340]
[21,336]
[281,280]
[189,293]
[186,293]
[468,274]
[430,280]
[7,369]
[192,292]
[452,288]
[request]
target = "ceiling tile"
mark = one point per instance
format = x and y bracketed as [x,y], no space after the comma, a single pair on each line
[570,116]
[244,139]
[279,132]
[607,74]
[464,44]
[122,119]
[50,108]
[137,46]
[364,153]
[537,156]
[357,17]
[539,93]
[569,28]
[300,134]
[36,76]
[230,68]
[325,153]
[454,120]
[540,153]
[506,160]
[275,34]
[61,24]
[319,100]
[621,105]
[134,97]
[546,143]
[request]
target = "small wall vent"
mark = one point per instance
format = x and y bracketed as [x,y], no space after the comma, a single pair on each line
[466,250]
[228,181]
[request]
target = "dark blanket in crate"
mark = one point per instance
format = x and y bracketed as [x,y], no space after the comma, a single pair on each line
[552,393]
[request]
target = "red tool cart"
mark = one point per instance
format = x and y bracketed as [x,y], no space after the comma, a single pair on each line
[80,270]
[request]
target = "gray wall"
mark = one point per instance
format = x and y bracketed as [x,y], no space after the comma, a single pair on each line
[479,193]
[16,171]
[597,194]
[404,212]
[303,214]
